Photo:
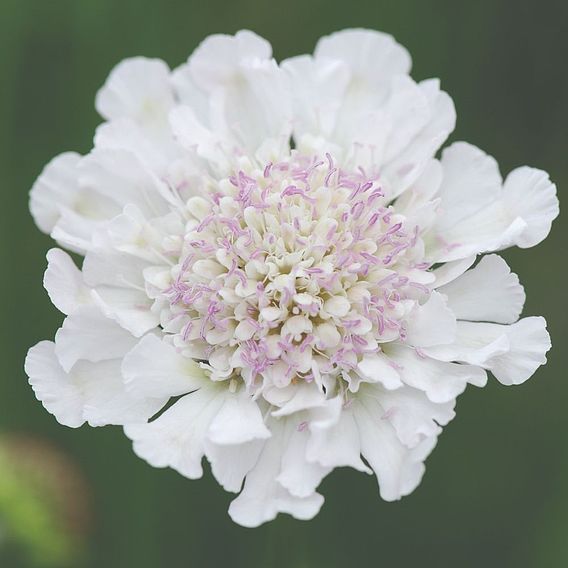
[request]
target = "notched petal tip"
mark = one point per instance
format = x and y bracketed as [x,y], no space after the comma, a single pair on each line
[530,195]
[529,343]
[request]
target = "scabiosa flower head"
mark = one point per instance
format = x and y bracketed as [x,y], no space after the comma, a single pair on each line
[278,273]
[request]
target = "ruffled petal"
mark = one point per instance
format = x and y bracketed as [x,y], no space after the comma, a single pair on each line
[403,169]
[493,217]
[217,58]
[263,497]
[318,88]
[371,55]
[91,392]
[52,385]
[441,381]
[54,189]
[118,176]
[88,335]
[249,95]
[471,181]
[511,352]
[235,439]
[177,437]
[226,427]
[239,421]
[529,194]
[126,134]
[376,368]
[154,368]
[64,282]
[431,323]
[299,476]
[138,88]
[399,469]
[106,401]
[230,464]
[529,342]
[488,292]
[413,415]
[302,396]
[118,288]
[194,136]
[335,443]
[451,270]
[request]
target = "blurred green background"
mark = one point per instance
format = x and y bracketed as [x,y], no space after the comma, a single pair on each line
[495,492]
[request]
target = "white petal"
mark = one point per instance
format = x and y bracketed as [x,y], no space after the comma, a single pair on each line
[336,444]
[398,469]
[318,87]
[384,124]
[194,136]
[263,497]
[105,399]
[409,164]
[451,270]
[87,334]
[52,386]
[54,188]
[409,111]
[62,207]
[413,415]
[74,231]
[471,181]
[304,396]
[488,292]
[119,176]
[129,308]
[127,134]
[518,214]
[376,368]
[64,282]
[440,381]
[187,92]
[370,54]
[528,193]
[238,421]
[300,477]
[418,203]
[489,230]
[118,282]
[216,59]
[138,88]
[431,323]
[235,439]
[230,464]
[511,352]
[155,369]
[256,108]
[475,344]
[74,196]
[92,392]
[249,94]
[177,438]
[529,343]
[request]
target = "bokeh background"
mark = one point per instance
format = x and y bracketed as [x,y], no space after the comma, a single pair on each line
[495,493]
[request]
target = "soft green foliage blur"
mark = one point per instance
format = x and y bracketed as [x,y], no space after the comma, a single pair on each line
[34,503]
[495,491]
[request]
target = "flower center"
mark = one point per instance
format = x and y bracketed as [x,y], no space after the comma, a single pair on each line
[292,273]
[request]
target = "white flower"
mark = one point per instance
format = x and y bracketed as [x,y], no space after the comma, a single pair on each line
[282,311]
